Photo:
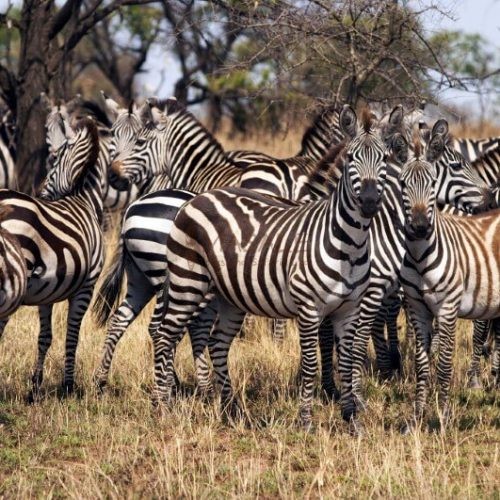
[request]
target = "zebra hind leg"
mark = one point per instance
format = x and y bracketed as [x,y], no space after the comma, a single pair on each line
[479,337]
[326,334]
[226,327]
[279,327]
[139,293]
[78,305]
[44,343]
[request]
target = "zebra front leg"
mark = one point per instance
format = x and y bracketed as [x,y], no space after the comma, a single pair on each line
[44,343]
[78,305]
[393,308]
[479,337]
[421,321]
[308,335]
[226,327]
[326,345]
[447,328]
[495,362]
[279,327]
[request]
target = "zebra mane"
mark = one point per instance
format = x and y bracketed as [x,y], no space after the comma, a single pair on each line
[5,210]
[417,146]
[333,110]
[92,108]
[367,119]
[326,173]
[169,105]
[91,127]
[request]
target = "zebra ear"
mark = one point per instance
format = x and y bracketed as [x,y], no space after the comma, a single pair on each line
[440,127]
[399,146]
[395,122]
[46,101]
[111,106]
[435,148]
[348,121]
[68,131]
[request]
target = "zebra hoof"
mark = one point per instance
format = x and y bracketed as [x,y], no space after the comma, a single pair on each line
[306,425]
[100,386]
[486,351]
[360,403]
[330,394]
[206,394]
[356,429]
[32,398]
[409,427]
[233,414]
[67,388]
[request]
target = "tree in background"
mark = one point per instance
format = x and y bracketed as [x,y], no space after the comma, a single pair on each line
[47,37]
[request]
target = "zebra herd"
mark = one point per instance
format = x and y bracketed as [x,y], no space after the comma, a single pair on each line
[371,213]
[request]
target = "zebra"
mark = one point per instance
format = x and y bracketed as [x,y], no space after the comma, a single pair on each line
[309,261]
[451,269]
[142,245]
[13,272]
[61,240]
[59,119]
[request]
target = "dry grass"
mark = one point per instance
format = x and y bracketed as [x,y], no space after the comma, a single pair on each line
[117,446]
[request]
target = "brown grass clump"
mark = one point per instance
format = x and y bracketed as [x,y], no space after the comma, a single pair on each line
[118,446]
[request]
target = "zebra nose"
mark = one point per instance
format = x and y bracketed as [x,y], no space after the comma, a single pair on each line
[369,197]
[420,225]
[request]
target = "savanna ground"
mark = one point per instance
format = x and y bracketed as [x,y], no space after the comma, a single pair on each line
[117,445]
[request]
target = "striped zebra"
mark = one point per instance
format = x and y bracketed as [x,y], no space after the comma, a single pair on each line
[147,222]
[456,183]
[451,269]
[59,119]
[309,261]
[13,272]
[60,237]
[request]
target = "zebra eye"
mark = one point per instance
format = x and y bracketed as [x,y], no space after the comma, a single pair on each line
[141,142]
[455,165]
[350,157]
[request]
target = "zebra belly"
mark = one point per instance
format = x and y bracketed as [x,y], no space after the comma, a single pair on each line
[480,303]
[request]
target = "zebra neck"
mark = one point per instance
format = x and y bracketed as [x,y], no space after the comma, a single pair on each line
[193,152]
[345,219]
[419,251]
[90,189]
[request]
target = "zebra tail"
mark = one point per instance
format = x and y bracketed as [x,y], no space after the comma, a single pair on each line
[109,292]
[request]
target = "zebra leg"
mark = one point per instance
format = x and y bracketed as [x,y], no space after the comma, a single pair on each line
[3,324]
[495,366]
[44,342]
[479,337]
[345,328]
[447,328]
[421,321]
[226,327]
[326,345]
[199,333]
[380,343]
[308,332]
[393,309]
[78,305]
[139,293]
[279,326]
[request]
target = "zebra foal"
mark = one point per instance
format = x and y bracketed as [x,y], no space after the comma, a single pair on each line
[451,269]
[261,256]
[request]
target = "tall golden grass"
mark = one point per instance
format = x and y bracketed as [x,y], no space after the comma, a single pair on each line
[118,446]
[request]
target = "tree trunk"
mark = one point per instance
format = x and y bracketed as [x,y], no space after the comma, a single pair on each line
[33,78]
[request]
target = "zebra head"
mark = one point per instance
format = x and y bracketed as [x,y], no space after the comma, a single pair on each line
[79,151]
[418,180]
[457,182]
[365,160]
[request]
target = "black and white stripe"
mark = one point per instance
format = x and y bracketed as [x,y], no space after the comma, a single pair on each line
[263,257]
[60,237]
[451,269]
